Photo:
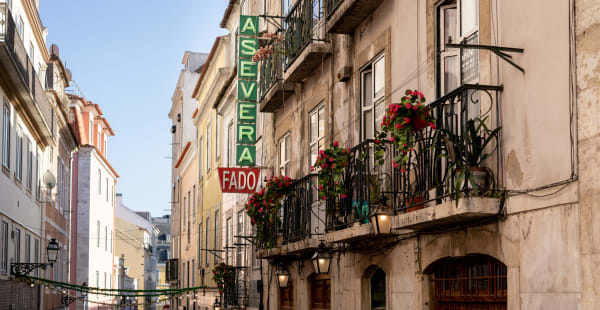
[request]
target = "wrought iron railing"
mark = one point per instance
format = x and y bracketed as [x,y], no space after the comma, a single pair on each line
[331,6]
[301,210]
[433,169]
[237,295]
[302,25]
[12,41]
[271,72]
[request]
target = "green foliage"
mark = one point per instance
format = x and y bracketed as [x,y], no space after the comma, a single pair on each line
[331,162]
[263,209]
[224,276]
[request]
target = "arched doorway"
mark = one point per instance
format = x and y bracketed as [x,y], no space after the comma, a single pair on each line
[470,282]
[378,291]
[320,292]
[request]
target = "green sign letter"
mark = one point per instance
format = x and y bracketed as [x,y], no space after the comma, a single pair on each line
[245,155]
[246,112]
[249,25]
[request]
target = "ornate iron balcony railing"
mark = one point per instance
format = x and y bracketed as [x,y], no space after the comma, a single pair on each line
[302,25]
[331,5]
[271,72]
[433,169]
[301,210]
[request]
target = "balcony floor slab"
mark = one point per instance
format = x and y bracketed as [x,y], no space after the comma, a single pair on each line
[447,214]
[275,96]
[307,61]
[349,14]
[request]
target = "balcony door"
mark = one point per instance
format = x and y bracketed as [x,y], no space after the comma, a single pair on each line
[286,297]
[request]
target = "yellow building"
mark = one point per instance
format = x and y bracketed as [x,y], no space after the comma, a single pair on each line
[133,242]
[208,126]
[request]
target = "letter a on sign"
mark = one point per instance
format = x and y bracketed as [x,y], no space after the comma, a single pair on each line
[249,25]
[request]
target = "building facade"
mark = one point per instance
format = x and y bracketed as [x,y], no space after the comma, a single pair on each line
[94,183]
[185,193]
[525,242]
[135,244]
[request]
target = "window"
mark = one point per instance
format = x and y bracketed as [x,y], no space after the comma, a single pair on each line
[184,209]
[230,145]
[19,161]
[200,244]
[58,183]
[91,129]
[188,274]
[98,234]
[105,279]
[316,132]
[6,136]
[99,182]
[208,150]
[4,247]
[217,138]
[284,155]
[106,189]
[36,253]
[215,245]
[111,241]
[97,278]
[29,165]
[105,150]
[37,175]
[193,274]
[285,6]
[27,248]
[194,200]
[241,230]
[189,217]
[17,241]
[98,139]
[458,22]
[228,240]
[200,157]
[206,242]
[20,26]
[372,83]
[105,238]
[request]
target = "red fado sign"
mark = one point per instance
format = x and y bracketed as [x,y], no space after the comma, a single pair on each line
[239,180]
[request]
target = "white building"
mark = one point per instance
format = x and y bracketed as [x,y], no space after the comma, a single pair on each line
[95,179]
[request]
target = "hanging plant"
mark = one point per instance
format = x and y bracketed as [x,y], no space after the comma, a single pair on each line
[224,276]
[274,46]
[263,209]
[331,162]
[400,123]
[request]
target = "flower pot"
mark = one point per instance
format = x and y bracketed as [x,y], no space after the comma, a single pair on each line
[479,179]
[419,121]
[414,204]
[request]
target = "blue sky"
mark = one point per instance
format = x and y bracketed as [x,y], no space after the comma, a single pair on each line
[126,56]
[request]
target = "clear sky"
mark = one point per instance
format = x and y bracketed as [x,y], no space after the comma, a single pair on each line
[125,55]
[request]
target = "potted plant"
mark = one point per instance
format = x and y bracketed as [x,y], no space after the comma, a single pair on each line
[400,123]
[263,209]
[467,152]
[331,163]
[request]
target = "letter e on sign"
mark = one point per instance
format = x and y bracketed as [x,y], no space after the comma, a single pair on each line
[239,180]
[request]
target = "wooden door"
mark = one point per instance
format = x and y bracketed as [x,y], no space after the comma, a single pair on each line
[286,297]
[320,293]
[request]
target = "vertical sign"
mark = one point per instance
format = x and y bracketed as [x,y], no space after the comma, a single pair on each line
[247,92]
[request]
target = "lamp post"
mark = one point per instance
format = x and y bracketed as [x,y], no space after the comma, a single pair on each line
[283,276]
[321,260]
[22,269]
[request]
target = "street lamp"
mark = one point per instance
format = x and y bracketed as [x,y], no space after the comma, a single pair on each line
[22,269]
[217,305]
[283,276]
[321,260]
[382,222]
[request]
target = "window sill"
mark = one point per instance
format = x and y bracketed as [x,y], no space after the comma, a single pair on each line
[6,171]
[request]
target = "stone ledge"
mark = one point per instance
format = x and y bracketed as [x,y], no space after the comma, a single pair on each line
[352,233]
[349,14]
[447,214]
[306,62]
[293,248]
[275,96]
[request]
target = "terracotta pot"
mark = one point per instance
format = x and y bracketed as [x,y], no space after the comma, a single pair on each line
[419,121]
[479,176]
[415,203]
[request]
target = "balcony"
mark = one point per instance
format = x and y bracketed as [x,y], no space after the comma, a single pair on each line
[432,192]
[236,296]
[19,73]
[343,16]
[273,89]
[172,270]
[304,40]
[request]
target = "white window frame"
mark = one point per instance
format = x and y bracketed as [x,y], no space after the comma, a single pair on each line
[6,124]
[98,234]
[217,138]
[376,98]
[200,147]
[319,143]
[19,154]
[208,150]
[29,165]
[284,157]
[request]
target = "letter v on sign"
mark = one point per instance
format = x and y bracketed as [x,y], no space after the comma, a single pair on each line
[247,90]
